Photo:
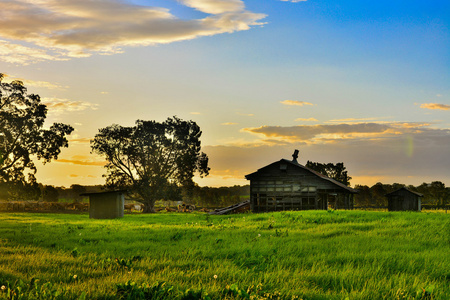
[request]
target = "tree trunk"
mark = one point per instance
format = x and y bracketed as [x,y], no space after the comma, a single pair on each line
[149,205]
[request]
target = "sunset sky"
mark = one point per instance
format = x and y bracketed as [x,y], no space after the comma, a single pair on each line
[362,82]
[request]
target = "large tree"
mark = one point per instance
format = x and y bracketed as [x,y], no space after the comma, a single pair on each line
[335,171]
[22,133]
[151,159]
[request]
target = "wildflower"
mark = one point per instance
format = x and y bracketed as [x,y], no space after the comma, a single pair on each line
[215,276]
[75,277]
[4,287]
[259,234]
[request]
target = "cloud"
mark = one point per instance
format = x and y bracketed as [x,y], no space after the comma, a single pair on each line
[245,115]
[196,113]
[215,6]
[35,83]
[58,106]
[331,133]
[435,106]
[18,54]
[229,123]
[63,29]
[295,102]
[409,153]
[306,120]
[82,162]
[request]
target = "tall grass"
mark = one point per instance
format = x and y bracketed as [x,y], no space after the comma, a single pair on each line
[285,255]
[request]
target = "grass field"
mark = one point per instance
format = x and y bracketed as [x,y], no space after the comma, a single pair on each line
[285,255]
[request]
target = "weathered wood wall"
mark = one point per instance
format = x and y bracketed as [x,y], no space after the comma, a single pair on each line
[283,186]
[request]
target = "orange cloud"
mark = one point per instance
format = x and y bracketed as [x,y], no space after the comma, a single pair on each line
[325,133]
[295,102]
[435,106]
[82,162]
[80,140]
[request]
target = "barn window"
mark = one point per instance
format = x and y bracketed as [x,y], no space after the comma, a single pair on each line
[283,167]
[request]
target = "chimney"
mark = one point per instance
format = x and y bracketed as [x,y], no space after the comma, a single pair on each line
[295,156]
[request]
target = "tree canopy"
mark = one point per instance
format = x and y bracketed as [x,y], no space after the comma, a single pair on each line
[334,171]
[152,159]
[22,135]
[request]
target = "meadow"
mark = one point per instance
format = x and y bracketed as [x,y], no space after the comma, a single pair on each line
[283,255]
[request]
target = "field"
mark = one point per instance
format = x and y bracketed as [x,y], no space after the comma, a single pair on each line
[285,255]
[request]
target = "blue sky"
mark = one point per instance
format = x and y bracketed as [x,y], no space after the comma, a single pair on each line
[363,82]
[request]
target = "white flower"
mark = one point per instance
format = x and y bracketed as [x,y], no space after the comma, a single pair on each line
[4,287]
[215,276]
[75,276]
[259,234]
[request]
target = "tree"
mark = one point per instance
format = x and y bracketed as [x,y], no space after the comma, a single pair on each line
[76,191]
[154,160]
[334,171]
[22,135]
[49,193]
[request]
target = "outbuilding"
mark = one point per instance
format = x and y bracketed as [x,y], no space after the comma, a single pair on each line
[288,185]
[106,205]
[404,199]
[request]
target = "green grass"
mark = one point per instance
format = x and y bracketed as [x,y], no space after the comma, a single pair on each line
[286,255]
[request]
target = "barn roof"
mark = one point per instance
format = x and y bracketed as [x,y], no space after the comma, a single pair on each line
[105,192]
[296,164]
[406,189]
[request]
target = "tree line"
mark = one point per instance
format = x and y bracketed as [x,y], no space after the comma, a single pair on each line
[435,194]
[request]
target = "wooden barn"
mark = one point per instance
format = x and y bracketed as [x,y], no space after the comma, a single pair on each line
[106,205]
[288,185]
[404,199]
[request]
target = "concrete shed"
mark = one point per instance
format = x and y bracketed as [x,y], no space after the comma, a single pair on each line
[404,199]
[106,205]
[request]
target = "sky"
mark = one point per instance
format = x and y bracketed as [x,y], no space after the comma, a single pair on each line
[366,83]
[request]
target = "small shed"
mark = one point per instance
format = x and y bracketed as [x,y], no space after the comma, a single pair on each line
[106,205]
[404,199]
[288,185]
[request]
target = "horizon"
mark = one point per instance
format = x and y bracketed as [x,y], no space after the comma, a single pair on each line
[366,83]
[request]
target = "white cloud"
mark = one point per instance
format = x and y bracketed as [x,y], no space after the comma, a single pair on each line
[62,29]
[215,6]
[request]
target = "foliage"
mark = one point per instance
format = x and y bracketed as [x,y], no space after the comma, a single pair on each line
[342,254]
[334,171]
[152,159]
[50,193]
[434,194]
[35,290]
[22,135]
[217,196]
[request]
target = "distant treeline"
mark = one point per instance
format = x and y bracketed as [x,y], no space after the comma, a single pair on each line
[435,194]
[200,196]
[10,191]
[217,196]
